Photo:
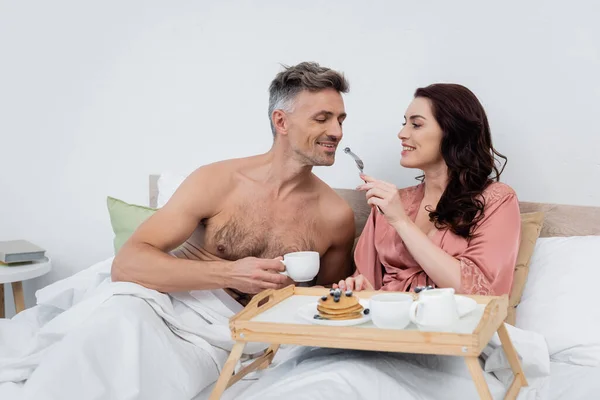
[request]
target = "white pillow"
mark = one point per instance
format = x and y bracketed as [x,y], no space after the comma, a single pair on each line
[168,182]
[561,300]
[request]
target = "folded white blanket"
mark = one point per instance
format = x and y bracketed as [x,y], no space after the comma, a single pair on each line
[194,324]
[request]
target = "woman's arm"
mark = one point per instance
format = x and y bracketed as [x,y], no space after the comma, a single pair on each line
[442,268]
[486,266]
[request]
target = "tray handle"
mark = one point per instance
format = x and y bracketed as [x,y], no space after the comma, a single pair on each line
[261,299]
[261,302]
[253,307]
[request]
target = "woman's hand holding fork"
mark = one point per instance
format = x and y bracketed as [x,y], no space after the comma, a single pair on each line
[385,196]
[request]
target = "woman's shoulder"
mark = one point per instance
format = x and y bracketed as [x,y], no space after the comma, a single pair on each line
[409,194]
[498,192]
[410,190]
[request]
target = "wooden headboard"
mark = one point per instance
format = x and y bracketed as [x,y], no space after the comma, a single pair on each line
[559,220]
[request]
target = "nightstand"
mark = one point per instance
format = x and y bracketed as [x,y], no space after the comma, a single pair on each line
[16,275]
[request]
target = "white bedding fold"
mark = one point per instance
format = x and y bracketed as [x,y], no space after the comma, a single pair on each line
[190,322]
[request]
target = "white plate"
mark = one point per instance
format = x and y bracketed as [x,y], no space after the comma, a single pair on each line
[465,305]
[308,311]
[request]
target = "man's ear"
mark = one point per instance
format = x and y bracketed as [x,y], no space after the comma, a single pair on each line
[280,122]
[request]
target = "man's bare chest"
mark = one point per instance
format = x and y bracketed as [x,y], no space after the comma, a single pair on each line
[265,230]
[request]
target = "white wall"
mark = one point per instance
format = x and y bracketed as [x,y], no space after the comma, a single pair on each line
[95,97]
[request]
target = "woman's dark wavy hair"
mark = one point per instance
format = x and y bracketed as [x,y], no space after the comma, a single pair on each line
[467,150]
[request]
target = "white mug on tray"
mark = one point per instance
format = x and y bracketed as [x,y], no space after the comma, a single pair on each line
[301,266]
[390,310]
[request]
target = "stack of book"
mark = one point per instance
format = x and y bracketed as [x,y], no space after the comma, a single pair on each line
[17,252]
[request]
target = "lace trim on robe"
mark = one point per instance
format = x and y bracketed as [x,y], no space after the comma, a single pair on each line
[472,280]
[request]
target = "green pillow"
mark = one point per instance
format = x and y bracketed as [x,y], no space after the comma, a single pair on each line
[125,218]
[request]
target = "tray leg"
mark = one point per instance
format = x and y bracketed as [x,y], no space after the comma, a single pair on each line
[477,375]
[272,350]
[266,359]
[227,371]
[519,379]
[261,362]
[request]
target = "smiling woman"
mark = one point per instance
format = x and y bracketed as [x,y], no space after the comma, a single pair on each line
[460,227]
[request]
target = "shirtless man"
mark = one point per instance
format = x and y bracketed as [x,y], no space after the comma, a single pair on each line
[229,223]
[226,227]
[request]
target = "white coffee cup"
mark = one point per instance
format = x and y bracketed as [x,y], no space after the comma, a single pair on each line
[390,310]
[301,266]
[435,310]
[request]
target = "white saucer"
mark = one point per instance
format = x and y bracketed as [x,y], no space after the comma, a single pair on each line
[465,305]
[308,311]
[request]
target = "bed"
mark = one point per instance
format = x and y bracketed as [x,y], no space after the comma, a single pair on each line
[556,333]
[569,239]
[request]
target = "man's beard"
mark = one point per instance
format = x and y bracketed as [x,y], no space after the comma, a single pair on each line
[315,160]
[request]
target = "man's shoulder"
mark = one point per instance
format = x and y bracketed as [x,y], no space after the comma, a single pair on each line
[337,208]
[222,171]
[230,165]
[213,180]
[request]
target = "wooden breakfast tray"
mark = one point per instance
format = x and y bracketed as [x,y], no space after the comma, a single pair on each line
[269,318]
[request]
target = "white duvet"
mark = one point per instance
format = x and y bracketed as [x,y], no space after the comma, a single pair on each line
[90,338]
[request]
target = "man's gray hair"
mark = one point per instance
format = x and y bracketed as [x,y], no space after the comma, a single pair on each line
[304,76]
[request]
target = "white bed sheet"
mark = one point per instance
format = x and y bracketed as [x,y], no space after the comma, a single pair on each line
[298,372]
[574,382]
[304,373]
[89,337]
[567,381]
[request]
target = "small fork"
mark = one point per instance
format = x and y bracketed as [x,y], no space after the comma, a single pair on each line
[357,160]
[360,164]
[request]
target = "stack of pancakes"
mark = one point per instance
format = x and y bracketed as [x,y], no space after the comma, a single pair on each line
[346,307]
